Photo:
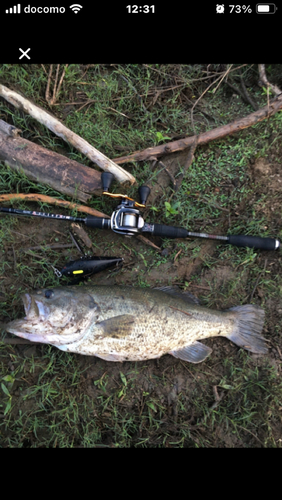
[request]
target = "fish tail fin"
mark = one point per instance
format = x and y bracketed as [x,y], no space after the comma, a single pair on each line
[248,328]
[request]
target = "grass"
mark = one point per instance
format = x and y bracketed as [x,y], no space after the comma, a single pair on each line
[49,398]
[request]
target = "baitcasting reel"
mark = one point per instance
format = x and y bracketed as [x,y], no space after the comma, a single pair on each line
[126,218]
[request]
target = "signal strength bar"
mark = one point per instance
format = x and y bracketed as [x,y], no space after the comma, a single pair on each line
[14,10]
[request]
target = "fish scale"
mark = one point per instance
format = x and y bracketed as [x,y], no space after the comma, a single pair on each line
[123,323]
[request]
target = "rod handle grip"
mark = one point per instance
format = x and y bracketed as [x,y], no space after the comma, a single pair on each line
[241,240]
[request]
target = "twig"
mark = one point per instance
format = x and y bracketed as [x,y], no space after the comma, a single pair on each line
[47,92]
[279,352]
[90,101]
[212,203]
[21,234]
[264,80]
[47,247]
[193,79]
[235,89]
[173,180]
[247,430]
[225,74]
[148,242]
[216,395]
[220,78]
[242,94]
[218,398]
[54,201]
[195,103]
[246,95]
[56,89]
[178,253]
[122,114]
[77,103]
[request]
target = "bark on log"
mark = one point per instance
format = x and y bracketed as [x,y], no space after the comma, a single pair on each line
[211,135]
[47,167]
[66,134]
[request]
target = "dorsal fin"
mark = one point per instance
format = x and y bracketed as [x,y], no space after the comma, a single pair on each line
[181,294]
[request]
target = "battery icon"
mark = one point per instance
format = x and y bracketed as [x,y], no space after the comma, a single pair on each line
[266,8]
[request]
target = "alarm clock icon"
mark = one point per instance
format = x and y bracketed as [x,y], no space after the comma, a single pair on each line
[219,9]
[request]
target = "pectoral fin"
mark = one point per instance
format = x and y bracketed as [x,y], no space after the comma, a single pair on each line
[118,326]
[194,353]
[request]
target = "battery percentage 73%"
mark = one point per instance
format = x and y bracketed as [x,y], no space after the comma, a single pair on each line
[240,9]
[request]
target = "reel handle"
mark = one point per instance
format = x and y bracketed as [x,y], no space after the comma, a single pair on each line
[144,192]
[107,179]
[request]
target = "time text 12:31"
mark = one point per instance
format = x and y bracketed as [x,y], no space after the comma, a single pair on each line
[140,9]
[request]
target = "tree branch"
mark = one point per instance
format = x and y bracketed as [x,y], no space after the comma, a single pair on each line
[210,135]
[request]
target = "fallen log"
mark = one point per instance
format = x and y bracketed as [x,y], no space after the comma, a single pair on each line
[66,134]
[210,135]
[47,167]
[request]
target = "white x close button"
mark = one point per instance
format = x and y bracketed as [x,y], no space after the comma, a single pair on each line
[24,53]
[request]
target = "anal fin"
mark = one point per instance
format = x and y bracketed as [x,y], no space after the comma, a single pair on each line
[194,353]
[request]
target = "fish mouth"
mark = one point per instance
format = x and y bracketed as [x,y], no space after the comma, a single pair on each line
[26,327]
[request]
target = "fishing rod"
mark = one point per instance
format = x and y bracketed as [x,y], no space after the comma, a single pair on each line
[126,219]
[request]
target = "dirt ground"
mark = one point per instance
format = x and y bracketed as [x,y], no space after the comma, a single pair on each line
[164,402]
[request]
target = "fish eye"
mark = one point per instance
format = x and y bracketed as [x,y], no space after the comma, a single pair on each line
[49,294]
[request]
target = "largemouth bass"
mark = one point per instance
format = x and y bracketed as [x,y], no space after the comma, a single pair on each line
[123,323]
